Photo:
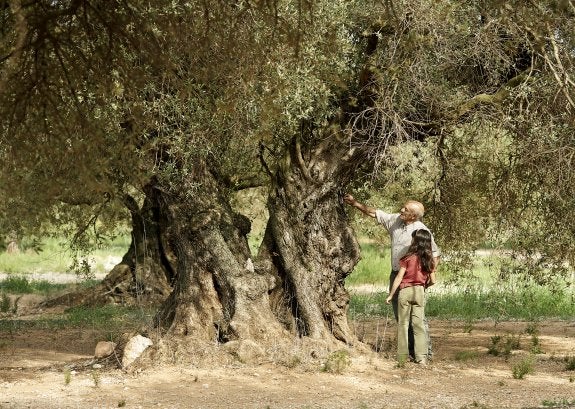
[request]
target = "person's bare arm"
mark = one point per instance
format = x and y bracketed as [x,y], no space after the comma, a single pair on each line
[430,280]
[350,200]
[395,285]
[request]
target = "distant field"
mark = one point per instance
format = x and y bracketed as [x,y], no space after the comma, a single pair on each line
[477,297]
[55,259]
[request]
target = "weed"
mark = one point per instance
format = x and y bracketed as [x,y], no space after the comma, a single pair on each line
[67,376]
[292,361]
[401,361]
[122,403]
[337,362]
[96,378]
[563,403]
[532,329]
[4,303]
[523,367]
[512,343]
[468,327]
[535,345]
[501,383]
[569,363]
[475,404]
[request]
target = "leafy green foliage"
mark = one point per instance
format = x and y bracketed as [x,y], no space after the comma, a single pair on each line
[466,106]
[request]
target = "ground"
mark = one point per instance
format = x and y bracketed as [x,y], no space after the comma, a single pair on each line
[54,368]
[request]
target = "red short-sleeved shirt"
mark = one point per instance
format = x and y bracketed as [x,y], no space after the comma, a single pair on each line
[414,275]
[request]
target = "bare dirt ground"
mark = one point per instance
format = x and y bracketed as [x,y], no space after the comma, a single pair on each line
[54,368]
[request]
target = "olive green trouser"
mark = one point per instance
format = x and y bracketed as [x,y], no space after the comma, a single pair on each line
[411,308]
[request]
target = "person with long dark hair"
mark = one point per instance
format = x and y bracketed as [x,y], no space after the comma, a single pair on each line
[416,272]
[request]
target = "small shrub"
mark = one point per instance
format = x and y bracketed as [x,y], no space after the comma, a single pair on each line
[532,329]
[512,343]
[122,403]
[493,349]
[17,285]
[21,285]
[570,363]
[468,327]
[475,404]
[498,348]
[523,367]
[337,362]
[292,361]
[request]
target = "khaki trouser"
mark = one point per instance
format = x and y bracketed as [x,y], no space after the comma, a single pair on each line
[410,330]
[411,307]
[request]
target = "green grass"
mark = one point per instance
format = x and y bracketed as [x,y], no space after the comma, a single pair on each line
[21,285]
[55,257]
[530,304]
[374,266]
[479,295]
[527,303]
[369,305]
[111,318]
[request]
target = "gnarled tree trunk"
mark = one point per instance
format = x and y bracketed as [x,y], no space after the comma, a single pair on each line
[218,295]
[309,242]
[145,273]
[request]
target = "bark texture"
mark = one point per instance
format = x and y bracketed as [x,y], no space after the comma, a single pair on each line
[218,296]
[309,243]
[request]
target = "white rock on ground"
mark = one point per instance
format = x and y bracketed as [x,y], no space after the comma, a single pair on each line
[134,348]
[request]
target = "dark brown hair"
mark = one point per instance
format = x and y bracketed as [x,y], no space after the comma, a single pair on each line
[421,246]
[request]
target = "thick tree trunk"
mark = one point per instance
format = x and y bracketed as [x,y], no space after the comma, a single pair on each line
[310,244]
[145,274]
[218,295]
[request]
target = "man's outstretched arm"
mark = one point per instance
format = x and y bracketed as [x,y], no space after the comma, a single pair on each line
[350,200]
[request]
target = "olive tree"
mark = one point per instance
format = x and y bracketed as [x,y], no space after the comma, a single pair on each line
[166,109]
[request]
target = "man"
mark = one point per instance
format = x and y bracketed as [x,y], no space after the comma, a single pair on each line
[400,226]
